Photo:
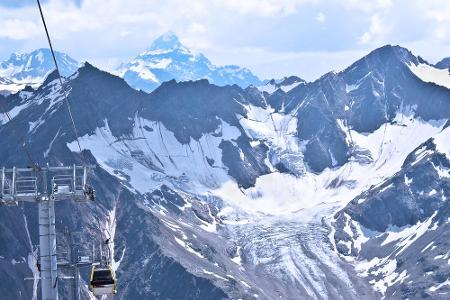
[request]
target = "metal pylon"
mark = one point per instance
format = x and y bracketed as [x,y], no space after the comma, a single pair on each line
[31,185]
[47,249]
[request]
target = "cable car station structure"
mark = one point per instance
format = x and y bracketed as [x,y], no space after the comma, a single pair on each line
[46,186]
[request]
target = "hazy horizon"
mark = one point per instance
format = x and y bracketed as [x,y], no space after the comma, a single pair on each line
[307,38]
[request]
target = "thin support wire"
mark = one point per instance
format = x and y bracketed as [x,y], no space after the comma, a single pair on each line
[61,81]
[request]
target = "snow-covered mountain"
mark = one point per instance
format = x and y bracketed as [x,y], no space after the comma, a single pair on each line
[397,233]
[285,84]
[5,81]
[333,189]
[168,59]
[444,63]
[32,68]
[6,86]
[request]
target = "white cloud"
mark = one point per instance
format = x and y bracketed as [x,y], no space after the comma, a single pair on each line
[438,11]
[377,31]
[17,29]
[269,36]
[264,7]
[321,18]
[197,28]
[367,6]
[309,65]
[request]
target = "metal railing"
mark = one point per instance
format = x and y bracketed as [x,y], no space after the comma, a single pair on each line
[27,184]
[70,183]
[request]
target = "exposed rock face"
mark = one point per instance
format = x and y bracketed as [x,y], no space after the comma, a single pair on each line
[212,192]
[444,63]
[399,231]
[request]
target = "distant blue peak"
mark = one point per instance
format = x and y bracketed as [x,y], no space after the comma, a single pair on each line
[444,63]
[168,41]
[37,64]
[45,52]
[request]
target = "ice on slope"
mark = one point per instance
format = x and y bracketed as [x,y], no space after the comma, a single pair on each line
[165,159]
[186,165]
[442,141]
[385,271]
[294,249]
[305,257]
[279,130]
[407,235]
[266,218]
[431,74]
[278,193]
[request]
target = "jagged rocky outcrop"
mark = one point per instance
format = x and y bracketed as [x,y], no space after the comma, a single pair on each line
[366,95]
[215,192]
[398,231]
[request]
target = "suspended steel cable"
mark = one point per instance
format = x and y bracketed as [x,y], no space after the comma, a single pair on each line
[69,109]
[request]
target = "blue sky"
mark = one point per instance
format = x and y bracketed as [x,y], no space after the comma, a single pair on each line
[272,37]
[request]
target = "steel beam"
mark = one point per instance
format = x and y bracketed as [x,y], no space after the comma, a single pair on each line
[47,249]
